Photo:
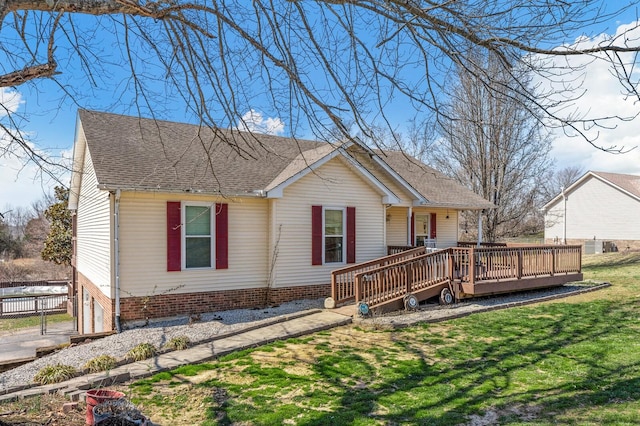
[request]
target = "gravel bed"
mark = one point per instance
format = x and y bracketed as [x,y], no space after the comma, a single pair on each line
[432,312]
[157,333]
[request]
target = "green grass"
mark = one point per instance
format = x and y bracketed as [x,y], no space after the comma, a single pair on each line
[573,361]
[9,324]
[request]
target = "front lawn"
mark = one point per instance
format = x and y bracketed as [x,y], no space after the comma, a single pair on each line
[570,361]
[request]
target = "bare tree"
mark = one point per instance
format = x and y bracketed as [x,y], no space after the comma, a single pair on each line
[492,145]
[557,180]
[317,65]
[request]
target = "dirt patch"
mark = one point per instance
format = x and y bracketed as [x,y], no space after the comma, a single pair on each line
[43,410]
[491,417]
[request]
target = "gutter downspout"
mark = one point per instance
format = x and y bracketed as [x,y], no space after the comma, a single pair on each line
[116,241]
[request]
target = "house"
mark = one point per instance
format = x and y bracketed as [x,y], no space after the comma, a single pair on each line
[600,211]
[170,219]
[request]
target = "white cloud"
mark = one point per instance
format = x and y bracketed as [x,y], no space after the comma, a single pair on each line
[10,101]
[22,181]
[596,92]
[254,121]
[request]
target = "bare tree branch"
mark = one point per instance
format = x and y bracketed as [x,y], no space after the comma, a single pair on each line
[332,65]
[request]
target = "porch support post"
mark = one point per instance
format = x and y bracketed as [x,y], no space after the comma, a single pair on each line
[564,217]
[409,214]
[480,227]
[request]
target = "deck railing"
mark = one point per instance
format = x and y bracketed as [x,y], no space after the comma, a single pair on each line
[398,249]
[343,279]
[469,244]
[409,271]
[502,263]
[393,281]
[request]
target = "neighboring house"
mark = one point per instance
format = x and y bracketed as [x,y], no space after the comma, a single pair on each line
[600,207]
[172,220]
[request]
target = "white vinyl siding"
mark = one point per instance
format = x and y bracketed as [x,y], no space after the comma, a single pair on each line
[332,185]
[93,240]
[446,229]
[397,226]
[143,247]
[597,210]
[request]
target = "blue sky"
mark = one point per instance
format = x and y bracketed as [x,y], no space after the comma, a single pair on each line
[50,119]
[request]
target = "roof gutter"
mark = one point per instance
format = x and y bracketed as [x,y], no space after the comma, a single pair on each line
[258,193]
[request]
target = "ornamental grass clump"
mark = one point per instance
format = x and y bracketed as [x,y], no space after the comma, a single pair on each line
[54,374]
[141,351]
[178,343]
[100,363]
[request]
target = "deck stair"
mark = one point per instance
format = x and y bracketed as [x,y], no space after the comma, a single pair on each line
[423,277]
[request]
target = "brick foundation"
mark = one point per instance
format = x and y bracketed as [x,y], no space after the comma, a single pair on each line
[169,305]
[95,295]
[176,304]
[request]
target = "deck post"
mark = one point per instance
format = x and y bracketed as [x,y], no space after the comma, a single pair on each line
[472,266]
[408,270]
[554,253]
[333,287]
[519,265]
[358,287]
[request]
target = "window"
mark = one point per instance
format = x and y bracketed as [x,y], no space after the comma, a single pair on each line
[198,236]
[192,225]
[422,229]
[333,236]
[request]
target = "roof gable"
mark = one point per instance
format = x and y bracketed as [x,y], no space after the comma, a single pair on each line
[627,184]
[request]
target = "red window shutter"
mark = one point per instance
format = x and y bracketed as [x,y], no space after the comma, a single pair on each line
[351,235]
[222,236]
[174,236]
[413,228]
[432,234]
[316,235]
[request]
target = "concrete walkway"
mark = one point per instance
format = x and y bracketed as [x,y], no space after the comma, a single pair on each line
[298,326]
[22,344]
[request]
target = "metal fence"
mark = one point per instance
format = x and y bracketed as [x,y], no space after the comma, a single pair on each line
[33,305]
[36,299]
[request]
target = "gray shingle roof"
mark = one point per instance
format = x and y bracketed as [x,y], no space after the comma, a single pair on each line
[437,188]
[629,183]
[144,154]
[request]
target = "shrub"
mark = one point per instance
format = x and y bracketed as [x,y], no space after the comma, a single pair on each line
[100,363]
[142,351]
[178,343]
[54,374]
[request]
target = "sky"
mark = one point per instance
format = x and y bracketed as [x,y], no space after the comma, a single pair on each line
[52,130]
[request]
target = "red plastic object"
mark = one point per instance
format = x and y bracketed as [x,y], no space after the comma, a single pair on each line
[98,396]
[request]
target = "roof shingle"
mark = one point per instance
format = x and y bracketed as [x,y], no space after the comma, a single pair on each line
[144,154]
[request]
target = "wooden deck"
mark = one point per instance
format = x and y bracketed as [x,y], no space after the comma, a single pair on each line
[384,284]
